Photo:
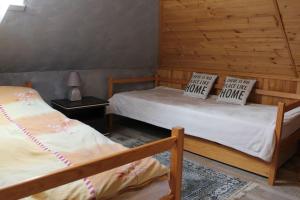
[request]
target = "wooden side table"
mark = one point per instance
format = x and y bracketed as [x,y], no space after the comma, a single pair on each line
[90,110]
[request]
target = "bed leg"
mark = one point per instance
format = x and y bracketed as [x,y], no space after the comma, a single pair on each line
[28,84]
[110,122]
[110,89]
[176,164]
[156,82]
[110,94]
[272,177]
[275,160]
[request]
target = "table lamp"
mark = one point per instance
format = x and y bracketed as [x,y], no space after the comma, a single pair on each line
[74,83]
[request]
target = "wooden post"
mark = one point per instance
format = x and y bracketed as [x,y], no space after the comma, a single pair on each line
[110,94]
[28,84]
[156,83]
[176,163]
[110,87]
[278,130]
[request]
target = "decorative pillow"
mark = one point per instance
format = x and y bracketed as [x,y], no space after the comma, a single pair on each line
[200,85]
[236,90]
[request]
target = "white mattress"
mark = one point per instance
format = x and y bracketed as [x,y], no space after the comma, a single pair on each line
[248,128]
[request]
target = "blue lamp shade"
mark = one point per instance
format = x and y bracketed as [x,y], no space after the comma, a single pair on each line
[74,79]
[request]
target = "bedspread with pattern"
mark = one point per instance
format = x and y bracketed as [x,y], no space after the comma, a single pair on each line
[36,140]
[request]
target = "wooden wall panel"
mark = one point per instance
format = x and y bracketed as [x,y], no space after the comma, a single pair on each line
[231,36]
[264,82]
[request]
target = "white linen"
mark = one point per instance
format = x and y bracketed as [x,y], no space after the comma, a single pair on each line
[248,128]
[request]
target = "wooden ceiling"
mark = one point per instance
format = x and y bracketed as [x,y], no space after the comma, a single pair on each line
[249,36]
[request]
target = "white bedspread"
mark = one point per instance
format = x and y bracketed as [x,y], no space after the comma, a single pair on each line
[248,128]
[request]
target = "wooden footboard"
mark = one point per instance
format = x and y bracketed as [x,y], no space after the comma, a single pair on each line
[77,172]
[284,149]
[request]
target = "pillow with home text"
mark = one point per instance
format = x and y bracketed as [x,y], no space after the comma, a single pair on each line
[236,90]
[200,85]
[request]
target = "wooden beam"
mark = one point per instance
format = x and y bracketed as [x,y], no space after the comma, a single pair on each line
[285,36]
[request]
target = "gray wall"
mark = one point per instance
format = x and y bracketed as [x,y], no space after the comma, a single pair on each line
[52,84]
[112,36]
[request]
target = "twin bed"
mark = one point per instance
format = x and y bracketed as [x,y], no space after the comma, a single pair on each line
[255,137]
[45,155]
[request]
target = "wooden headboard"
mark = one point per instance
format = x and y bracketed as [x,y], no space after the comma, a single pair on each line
[268,90]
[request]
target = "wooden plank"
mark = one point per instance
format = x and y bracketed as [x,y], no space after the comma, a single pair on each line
[233,35]
[220,24]
[234,67]
[226,155]
[216,8]
[225,73]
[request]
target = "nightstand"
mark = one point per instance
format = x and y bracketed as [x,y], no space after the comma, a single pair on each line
[90,110]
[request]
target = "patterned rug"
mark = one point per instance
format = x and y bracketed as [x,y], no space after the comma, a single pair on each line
[199,182]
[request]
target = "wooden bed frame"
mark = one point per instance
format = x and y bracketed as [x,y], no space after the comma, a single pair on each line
[80,171]
[284,149]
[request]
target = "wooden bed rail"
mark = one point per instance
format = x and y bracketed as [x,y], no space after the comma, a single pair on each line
[77,172]
[292,106]
[261,92]
[112,82]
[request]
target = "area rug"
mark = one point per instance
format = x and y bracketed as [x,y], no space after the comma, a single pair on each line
[199,182]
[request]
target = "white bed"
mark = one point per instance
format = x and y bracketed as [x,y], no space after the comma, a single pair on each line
[248,128]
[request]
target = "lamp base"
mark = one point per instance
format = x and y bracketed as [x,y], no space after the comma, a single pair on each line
[74,94]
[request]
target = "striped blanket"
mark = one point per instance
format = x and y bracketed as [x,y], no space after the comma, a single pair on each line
[36,140]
